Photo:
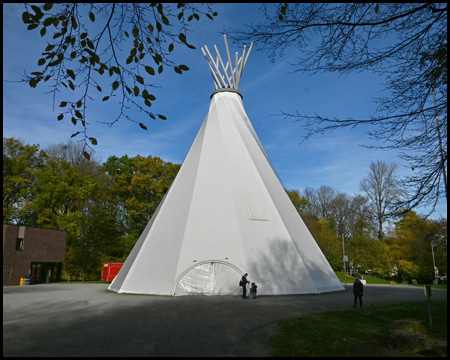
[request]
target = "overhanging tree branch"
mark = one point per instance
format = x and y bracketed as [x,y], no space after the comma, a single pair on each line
[352,37]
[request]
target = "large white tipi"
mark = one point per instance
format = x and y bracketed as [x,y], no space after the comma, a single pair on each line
[225,214]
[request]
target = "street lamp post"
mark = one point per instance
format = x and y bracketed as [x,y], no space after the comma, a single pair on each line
[345,259]
[434,264]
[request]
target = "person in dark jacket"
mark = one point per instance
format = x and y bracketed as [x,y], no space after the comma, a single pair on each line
[244,285]
[253,291]
[358,291]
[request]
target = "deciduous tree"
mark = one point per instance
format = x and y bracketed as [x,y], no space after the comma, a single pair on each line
[383,192]
[20,162]
[73,194]
[140,183]
[414,237]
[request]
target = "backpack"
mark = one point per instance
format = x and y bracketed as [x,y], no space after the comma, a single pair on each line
[240,283]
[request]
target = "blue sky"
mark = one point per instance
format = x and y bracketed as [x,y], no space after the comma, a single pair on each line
[336,159]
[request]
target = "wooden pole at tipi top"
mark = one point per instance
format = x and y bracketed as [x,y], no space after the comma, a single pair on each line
[230,77]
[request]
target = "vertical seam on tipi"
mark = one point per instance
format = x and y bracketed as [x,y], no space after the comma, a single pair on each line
[199,138]
[231,112]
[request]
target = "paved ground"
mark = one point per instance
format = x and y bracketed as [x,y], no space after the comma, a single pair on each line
[89,320]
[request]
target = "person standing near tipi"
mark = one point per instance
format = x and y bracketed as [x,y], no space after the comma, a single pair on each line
[244,283]
[358,289]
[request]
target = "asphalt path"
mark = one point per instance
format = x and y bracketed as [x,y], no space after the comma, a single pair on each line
[89,320]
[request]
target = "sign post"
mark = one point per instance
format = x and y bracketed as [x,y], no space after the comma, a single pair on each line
[427,289]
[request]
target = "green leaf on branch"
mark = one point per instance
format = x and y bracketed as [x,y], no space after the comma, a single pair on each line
[74,23]
[148,96]
[157,58]
[48,21]
[26,17]
[37,10]
[150,70]
[139,79]
[71,73]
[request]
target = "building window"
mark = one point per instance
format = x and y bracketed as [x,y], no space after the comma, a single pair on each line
[19,244]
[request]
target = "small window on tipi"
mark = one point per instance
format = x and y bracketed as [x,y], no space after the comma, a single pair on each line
[256,208]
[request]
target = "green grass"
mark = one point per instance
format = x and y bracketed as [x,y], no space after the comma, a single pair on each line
[370,279]
[375,280]
[351,332]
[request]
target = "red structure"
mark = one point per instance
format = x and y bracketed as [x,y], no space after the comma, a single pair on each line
[110,271]
[32,252]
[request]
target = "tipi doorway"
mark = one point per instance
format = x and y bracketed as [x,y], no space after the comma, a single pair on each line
[209,278]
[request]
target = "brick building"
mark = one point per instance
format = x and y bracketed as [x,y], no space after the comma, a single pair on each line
[32,252]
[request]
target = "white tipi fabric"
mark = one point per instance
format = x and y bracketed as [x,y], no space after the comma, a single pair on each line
[226,213]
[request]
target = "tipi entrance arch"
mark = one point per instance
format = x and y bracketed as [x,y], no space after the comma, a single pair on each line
[212,277]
